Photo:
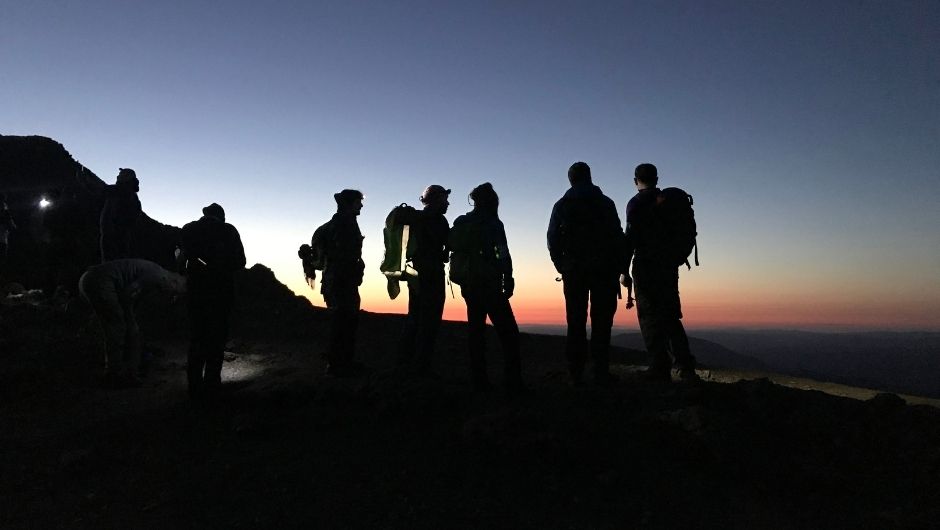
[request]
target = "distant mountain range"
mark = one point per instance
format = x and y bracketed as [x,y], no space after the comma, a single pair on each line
[903,362]
[907,362]
[708,353]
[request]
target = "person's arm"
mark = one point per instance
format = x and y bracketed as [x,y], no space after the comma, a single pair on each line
[553,234]
[505,261]
[238,250]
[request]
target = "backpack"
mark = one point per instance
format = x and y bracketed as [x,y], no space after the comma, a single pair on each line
[398,246]
[584,239]
[471,263]
[313,256]
[674,214]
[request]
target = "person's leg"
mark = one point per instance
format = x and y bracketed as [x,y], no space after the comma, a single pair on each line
[476,339]
[132,344]
[409,331]
[350,323]
[576,303]
[603,307]
[504,321]
[217,339]
[431,310]
[199,332]
[103,299]
[651,308]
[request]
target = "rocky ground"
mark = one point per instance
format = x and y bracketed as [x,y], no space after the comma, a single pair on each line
[286,446]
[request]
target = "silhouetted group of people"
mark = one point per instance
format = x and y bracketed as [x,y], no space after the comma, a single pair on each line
[589,247]
[587,244]
[209,254]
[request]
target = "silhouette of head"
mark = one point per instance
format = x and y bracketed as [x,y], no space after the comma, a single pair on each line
[484,198]
[435,198]
[348,201]
[214,210]
[646,174]
[579,172]
[127,178]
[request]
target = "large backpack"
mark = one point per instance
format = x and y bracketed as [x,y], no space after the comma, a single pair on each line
[674,214]
[313,256]
[471,262]
[399,245]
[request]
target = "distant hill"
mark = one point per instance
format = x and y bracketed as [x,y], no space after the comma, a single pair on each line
[706,352]
[907,362]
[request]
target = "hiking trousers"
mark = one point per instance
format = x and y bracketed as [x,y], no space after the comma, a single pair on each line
[116,314]
[659,312]
[343,301]
[493,303]
[209,315]
[599,290]
[425,309]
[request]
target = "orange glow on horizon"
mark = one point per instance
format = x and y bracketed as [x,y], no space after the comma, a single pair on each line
[712,309]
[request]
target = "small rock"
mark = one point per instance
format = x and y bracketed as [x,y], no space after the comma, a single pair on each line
[887,400]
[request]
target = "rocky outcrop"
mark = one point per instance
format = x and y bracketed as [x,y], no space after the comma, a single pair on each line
[54,244]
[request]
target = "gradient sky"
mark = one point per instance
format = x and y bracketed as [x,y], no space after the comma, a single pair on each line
[808,132]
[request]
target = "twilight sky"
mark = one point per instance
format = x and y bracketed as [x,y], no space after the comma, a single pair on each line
[808,132]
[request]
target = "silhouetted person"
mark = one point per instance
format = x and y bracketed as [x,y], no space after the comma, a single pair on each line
[211,251]
[342,276]
[656,280]
[480,250]
[586,245]
[428,229]
[119,216]
[112,289]
[7,225]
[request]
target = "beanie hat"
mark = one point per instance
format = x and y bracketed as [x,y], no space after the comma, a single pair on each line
[126,174]
[214,210]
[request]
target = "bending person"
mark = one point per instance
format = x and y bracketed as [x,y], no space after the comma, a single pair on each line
[112,289]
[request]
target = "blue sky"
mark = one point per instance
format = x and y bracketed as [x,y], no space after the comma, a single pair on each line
[809,133]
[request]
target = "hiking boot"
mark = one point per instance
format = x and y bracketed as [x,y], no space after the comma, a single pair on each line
[482,386]
[688,375]
[516,390]
[654,375]
[605,379]
[340,370]
[113,381]
[575,380]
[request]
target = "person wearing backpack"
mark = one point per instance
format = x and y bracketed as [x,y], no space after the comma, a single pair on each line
[656,247]
[342,275]
[427,252]
[211,252]
[585,242]
[480,263]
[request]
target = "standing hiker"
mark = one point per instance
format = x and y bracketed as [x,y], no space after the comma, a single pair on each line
[211,251]
[659,239]
[586,246]
[340,242]
[480,263]
[426,293]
